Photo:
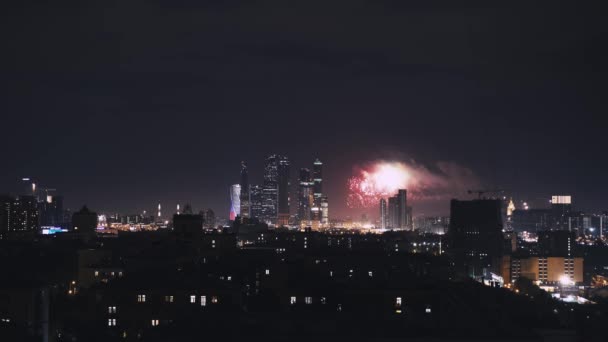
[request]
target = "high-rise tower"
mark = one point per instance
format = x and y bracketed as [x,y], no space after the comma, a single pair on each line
[383,214]
[245,197]
[235,201]
[305,197]
[270,189]
[318,181]
[284,183]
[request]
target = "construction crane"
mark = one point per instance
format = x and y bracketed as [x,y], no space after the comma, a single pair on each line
[482,192]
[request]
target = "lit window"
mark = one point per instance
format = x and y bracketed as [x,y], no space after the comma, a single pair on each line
[323,300]
[292,300]
[192,299]
[111,309]
[370,273]
[141,298]
[203,300]
[398,301]
[214,299]
[339,307]
[428,310]
[267,271]
[111,322]
[308,300]
[97,273]
[155,322]
[169,299]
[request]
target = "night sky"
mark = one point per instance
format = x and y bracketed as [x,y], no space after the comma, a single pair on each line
[120,104]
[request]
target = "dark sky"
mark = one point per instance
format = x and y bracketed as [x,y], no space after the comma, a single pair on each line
[119,104]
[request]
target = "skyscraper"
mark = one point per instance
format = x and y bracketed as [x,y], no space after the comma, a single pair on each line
[402,217]
[383,214]
[305,197]
[51,211]
[257,198]
[270,190]
[235,201]
[324,211]
[318,181]
[561,210]
[284,183]
[245,199]
[208,218]
[24,215]
[392,212]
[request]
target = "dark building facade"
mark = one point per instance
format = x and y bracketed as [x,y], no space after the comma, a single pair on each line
[84,221]
[475,235]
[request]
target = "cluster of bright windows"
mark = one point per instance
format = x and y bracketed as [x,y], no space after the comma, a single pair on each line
[141,298]
[111,309]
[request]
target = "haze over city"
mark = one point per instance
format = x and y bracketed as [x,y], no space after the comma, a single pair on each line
[336,170]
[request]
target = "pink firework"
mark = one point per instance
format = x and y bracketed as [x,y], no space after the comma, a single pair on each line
[381,180]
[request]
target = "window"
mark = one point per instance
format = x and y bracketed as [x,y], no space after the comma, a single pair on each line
[192,299]
[141,298]
[308,300]
[169,299]
[398,301]
[370,273]
[214,300]
[155,322]
[323,300]
[97,273]
[111,309]
[428,310]
[111,322]
[292,300]
[267,271]
[203,300]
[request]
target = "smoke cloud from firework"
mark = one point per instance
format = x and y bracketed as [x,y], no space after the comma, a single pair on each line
[382,179]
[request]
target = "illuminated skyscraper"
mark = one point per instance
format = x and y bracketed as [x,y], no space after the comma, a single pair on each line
[324,211]
[235,201]
[561,209]
[257,198]
[383,214]
[245,199]
[305,197]
[270,190]
[284,183]
[318,181]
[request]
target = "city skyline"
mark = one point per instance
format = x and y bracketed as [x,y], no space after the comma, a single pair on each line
[170,116]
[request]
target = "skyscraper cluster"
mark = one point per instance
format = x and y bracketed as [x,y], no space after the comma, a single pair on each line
[270,202]
[396,214]
[313,206]
[32,209]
